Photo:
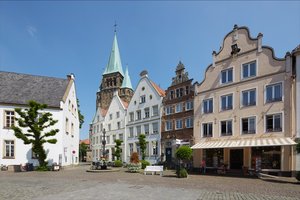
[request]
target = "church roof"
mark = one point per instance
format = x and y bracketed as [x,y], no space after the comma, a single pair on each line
[126,81]
[114,63]
[18,89]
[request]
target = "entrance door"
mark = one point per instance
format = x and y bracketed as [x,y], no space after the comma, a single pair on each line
[169,155]
[236,158]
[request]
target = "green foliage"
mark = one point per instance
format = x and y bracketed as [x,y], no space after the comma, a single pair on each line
[82,150]
[118,149]
[42,168]
[118,163]
[134,158]
[144,163]
[298,147]
[143,145]
[298,175]
[35,122]
[80,116]
[181,173]
[184,153]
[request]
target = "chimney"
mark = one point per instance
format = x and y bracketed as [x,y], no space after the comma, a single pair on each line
[259,42]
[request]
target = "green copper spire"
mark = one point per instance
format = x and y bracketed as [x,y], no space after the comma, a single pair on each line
[126,81]
[114,63]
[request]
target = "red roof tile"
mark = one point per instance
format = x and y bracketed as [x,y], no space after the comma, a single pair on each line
[160,91]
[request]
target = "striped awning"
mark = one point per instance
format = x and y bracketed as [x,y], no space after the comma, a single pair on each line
[211,143]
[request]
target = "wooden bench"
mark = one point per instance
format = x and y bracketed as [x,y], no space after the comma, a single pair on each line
[152,169]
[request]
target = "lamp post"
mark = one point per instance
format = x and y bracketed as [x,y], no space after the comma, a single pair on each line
[103,166]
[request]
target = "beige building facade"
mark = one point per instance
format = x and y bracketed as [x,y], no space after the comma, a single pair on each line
[244,115]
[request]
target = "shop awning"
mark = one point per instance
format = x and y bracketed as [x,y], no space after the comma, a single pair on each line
[211,143]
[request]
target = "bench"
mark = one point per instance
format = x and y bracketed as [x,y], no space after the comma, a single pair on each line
[152,169]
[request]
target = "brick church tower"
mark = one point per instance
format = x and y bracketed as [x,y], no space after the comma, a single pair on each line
[114,79]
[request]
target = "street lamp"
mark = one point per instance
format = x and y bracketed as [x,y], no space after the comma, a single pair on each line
[103,143]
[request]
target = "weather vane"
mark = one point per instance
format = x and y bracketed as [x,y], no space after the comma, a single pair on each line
[115,26]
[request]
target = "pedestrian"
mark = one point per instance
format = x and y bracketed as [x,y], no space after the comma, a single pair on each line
[203,166]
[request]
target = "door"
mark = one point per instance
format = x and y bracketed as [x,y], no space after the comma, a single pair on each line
[169,155]
[236,158]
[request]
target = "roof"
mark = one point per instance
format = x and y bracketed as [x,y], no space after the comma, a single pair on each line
[16,88]
[125,104]
[160,91]
[86,141]
[114,63]
[126,81]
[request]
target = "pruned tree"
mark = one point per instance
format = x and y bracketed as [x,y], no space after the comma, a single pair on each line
[118,149]
[143,145]
[36,129]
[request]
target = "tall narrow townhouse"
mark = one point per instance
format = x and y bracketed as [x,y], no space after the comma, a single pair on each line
[243,108]
[113,97]
[144,117]
[60,96]
[177,115]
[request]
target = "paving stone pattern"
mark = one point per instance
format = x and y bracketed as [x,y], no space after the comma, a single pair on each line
[76,183]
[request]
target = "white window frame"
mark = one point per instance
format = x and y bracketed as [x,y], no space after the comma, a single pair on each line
[131,116]
[191,123]
[146,130]
[255,125]
[202,129]
[282,92]
[176,108]
[282,122]
[142,99]
[138,115]
[232,128]
[248,63]
[242,97]
[155,131]
[189,105]
[181,123]
[169,125]
[11,116]
[153,113]
[168,110]
[226,95]
[131,132]
[146,112]
[227,70]
[11,147]
[207,100]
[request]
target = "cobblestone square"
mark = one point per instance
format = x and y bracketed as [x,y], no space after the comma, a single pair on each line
[76,183]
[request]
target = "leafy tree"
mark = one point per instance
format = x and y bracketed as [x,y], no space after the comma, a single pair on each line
[142,143]
[35,123]
[118,149]
[80,116]
[184,153]
[82,150]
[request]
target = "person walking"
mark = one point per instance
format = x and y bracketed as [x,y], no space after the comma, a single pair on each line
[203,166]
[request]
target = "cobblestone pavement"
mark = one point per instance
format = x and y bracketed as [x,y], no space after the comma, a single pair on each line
[76,183]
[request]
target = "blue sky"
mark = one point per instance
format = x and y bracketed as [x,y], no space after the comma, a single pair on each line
[53,38]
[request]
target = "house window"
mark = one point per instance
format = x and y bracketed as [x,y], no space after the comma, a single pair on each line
[181,92]
[131,132]
[110,116]
[98,119]
[227,76]
[274,123]
[119,125]
[121,136]
[131,117]
[97,128]
[172,94]
[187,90]
[114,138]
[130,149]
[208,105]
[178,108]
[142,99]
[9,149]
[226,102]
[226,127]
[138,131]
[67,126]
[118,114]
[147,112]
[9,119]
[108,139]
[177,93]
[146,129]
[155,128]
[274,92]
[249,70]
[109,127]
[207,129]
[168,126]
[178,124]
[138,115]
[189,122]
[72,129]
[154,148]
[248,125]
[155,110]
[168,110]
[249,98]
[189,105]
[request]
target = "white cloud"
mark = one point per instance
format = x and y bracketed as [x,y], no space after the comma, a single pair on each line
[31,30]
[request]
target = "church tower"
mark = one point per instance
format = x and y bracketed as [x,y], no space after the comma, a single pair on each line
[114,79]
